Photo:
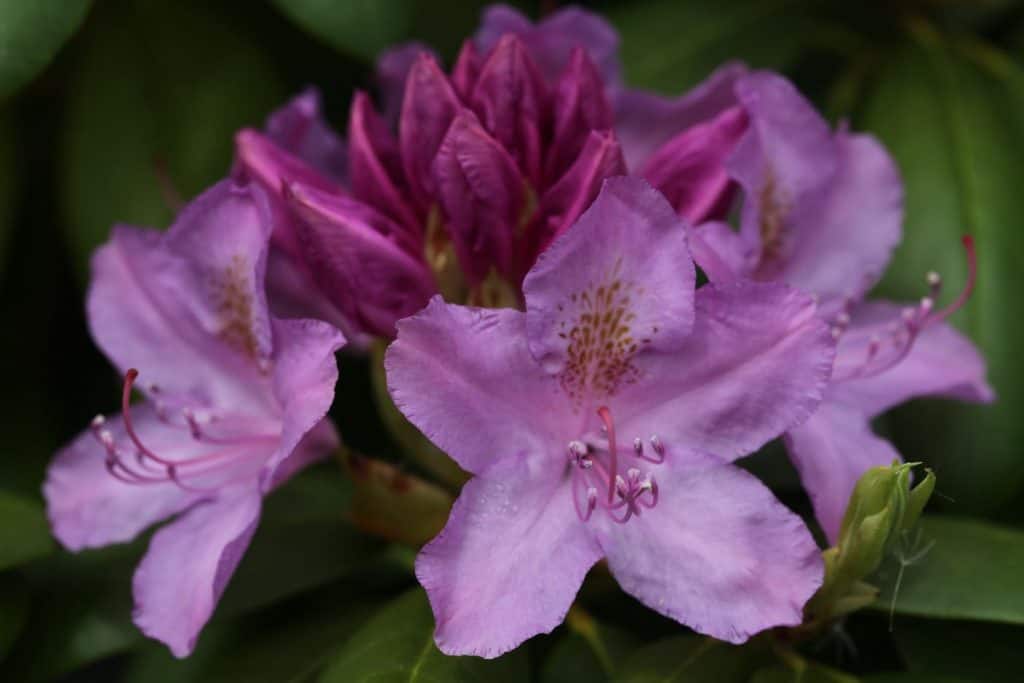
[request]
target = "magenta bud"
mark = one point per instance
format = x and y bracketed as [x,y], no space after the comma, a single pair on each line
[579,106]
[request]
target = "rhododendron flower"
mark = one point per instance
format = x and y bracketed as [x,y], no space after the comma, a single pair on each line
[822,211]
[602,422]
[482,168]
[235,400]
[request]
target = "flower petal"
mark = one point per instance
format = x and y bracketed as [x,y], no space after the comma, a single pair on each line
[645,121]
[510,97]
[187,307]
[757,363]
[482,195]
[305,373]
[299,128]
[428,108]
[842,249]
[785,164]
[831,451]
[551,40]
[566,200]
[88,507]
[466,70]
[359,257]
[623,265]
[466,379]
[718,553]
[187,567]
[390,74]
[510,561]
[942,362]
[375,167]
[690,168]
[580,107]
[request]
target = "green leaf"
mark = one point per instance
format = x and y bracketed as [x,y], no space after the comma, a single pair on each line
[953,117]
[960,650]
[304,519]
[398,645]
[80,613]
[30,35]
[671,46]
[973,571]
[14,606]
[163,129]
[8,183]
[24,532]
[692,659]
[803,672]
[284,643]
[590,651]
[904,677]
[357,27]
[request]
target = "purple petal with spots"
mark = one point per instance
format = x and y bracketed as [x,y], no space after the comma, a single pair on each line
[626,258]
[544,419]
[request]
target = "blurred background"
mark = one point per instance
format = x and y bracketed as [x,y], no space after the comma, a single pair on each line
[110,110]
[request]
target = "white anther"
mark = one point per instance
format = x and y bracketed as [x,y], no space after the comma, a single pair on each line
[98,421]
[647,485]
[620,486]
[656,444]
[927,303]
[908,314]
[633,475]
[843,319]
[577,449]
[106,438]
[638,446]
[933,278]
[836,331]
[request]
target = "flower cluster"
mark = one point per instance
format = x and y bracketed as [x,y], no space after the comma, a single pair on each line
[525,231]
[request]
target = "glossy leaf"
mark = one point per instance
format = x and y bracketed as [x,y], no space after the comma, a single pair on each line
[14,607]
[693,659]
[590,650]
[30,35]
[671,46]
[304,519]
[358,27]
[287,642]
[953,117]
[802,672]
[973,571]
[961,650]
[397,645]
[24,532]
[8,183]
[162,130]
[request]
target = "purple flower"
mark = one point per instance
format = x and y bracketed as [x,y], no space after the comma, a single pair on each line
[822,211]
[235,400]
[602,423]
[464,179]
